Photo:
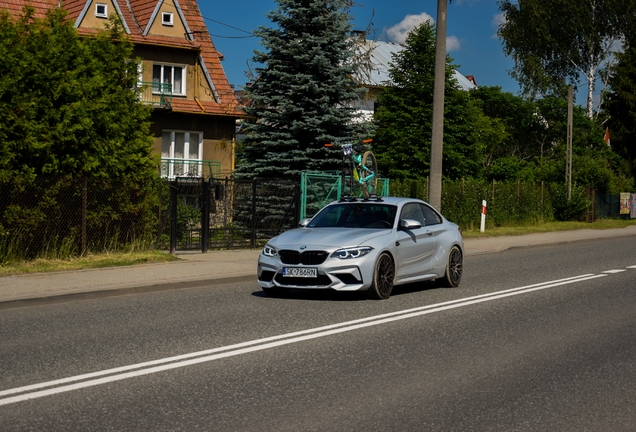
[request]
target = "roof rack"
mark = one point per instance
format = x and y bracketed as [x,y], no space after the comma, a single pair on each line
[347,198]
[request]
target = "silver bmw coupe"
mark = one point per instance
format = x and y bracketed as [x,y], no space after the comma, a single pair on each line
[369,244]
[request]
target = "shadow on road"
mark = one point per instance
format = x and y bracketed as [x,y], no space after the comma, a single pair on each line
[344,296]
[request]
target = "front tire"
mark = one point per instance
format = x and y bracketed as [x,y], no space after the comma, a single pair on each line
[383,276]
[454,268]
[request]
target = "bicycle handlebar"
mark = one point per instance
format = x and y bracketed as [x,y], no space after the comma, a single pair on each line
[361,142]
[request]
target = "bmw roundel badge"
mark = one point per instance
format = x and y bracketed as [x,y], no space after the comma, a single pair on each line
[303,247]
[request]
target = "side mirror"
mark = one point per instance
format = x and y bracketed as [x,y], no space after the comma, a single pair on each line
[409,224]
[303,223]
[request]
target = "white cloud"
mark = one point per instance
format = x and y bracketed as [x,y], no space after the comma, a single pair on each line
[400,31]
[498,19]
[452,44]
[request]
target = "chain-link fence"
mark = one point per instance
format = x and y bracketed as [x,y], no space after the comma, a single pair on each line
[58,217]
[61,217]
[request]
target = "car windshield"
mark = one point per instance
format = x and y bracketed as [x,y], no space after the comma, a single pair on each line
[355,215]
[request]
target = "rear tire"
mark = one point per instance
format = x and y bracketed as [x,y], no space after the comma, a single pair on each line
[368,161]
[454,267]
[383,276]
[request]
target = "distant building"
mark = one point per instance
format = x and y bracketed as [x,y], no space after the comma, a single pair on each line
[381,58]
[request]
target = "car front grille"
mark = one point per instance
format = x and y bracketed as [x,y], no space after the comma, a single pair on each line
[308,257]
[321,280]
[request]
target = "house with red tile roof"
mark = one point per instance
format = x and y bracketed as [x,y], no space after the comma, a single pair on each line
[194,107]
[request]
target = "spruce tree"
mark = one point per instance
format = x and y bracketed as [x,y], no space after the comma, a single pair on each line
[302,95]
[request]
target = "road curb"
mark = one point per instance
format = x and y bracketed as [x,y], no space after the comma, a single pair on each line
[115,292]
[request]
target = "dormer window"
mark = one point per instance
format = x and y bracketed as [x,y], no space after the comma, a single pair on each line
[166,18]
[101,10]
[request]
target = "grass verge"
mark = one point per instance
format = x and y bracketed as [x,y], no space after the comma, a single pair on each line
[89,261]
[548,227]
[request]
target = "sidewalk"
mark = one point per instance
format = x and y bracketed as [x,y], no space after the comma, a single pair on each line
[216,267]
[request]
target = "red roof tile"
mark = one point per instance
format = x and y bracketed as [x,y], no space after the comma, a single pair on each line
[15,7]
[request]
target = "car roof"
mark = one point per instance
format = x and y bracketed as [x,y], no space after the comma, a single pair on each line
[385,200]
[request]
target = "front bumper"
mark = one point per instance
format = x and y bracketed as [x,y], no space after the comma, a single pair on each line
[333,273]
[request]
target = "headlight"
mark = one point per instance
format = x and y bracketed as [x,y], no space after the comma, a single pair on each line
[351,252]
[269,251]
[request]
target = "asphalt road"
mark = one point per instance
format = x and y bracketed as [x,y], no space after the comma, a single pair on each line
[533,339]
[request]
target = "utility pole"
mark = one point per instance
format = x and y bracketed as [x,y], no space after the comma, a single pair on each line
[437,138]
[568,151]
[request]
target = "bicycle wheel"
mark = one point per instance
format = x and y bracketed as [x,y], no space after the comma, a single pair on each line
[370,173]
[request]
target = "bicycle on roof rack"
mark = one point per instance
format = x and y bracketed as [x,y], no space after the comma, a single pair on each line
[361,170]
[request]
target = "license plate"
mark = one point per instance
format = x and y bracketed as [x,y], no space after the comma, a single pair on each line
[307,272]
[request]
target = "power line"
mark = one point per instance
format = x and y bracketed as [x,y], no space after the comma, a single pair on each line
[231,37]
[227,25]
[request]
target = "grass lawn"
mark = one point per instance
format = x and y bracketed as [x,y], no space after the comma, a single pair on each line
[548,227]
[85,262]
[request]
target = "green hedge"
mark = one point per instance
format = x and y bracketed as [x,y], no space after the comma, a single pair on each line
[508,204]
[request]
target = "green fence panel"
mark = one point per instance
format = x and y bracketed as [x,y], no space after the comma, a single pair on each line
[319,188]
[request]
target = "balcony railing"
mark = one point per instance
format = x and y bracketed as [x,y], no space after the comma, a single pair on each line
[156,93]
[173,168]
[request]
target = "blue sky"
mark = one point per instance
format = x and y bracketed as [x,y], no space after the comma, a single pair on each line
[472,28]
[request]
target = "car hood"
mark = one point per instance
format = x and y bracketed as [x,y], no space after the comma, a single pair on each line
[328,238]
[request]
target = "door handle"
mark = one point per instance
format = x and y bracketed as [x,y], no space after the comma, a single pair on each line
[429,233]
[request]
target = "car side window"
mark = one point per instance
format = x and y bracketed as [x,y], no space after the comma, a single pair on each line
[414,212]
[430,215]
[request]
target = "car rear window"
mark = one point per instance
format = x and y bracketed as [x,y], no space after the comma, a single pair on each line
[355,215]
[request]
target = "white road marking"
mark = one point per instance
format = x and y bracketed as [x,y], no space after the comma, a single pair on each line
[160,365]
[614,271]
[632,267]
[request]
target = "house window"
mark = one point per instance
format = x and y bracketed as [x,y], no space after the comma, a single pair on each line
[181,154]
[169,74]
[101,10]
[166,18]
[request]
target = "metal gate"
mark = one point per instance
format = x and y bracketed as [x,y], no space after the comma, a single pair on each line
[229,213]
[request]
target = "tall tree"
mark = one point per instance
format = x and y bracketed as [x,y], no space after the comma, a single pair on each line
[562,41]
[302,95]
[620,105]
[69,105]
[402,140]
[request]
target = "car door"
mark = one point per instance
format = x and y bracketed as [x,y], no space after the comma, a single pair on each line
[415,246]
[435,227]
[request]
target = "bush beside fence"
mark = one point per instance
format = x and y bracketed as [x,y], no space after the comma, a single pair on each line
[64,216]
[508,204]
